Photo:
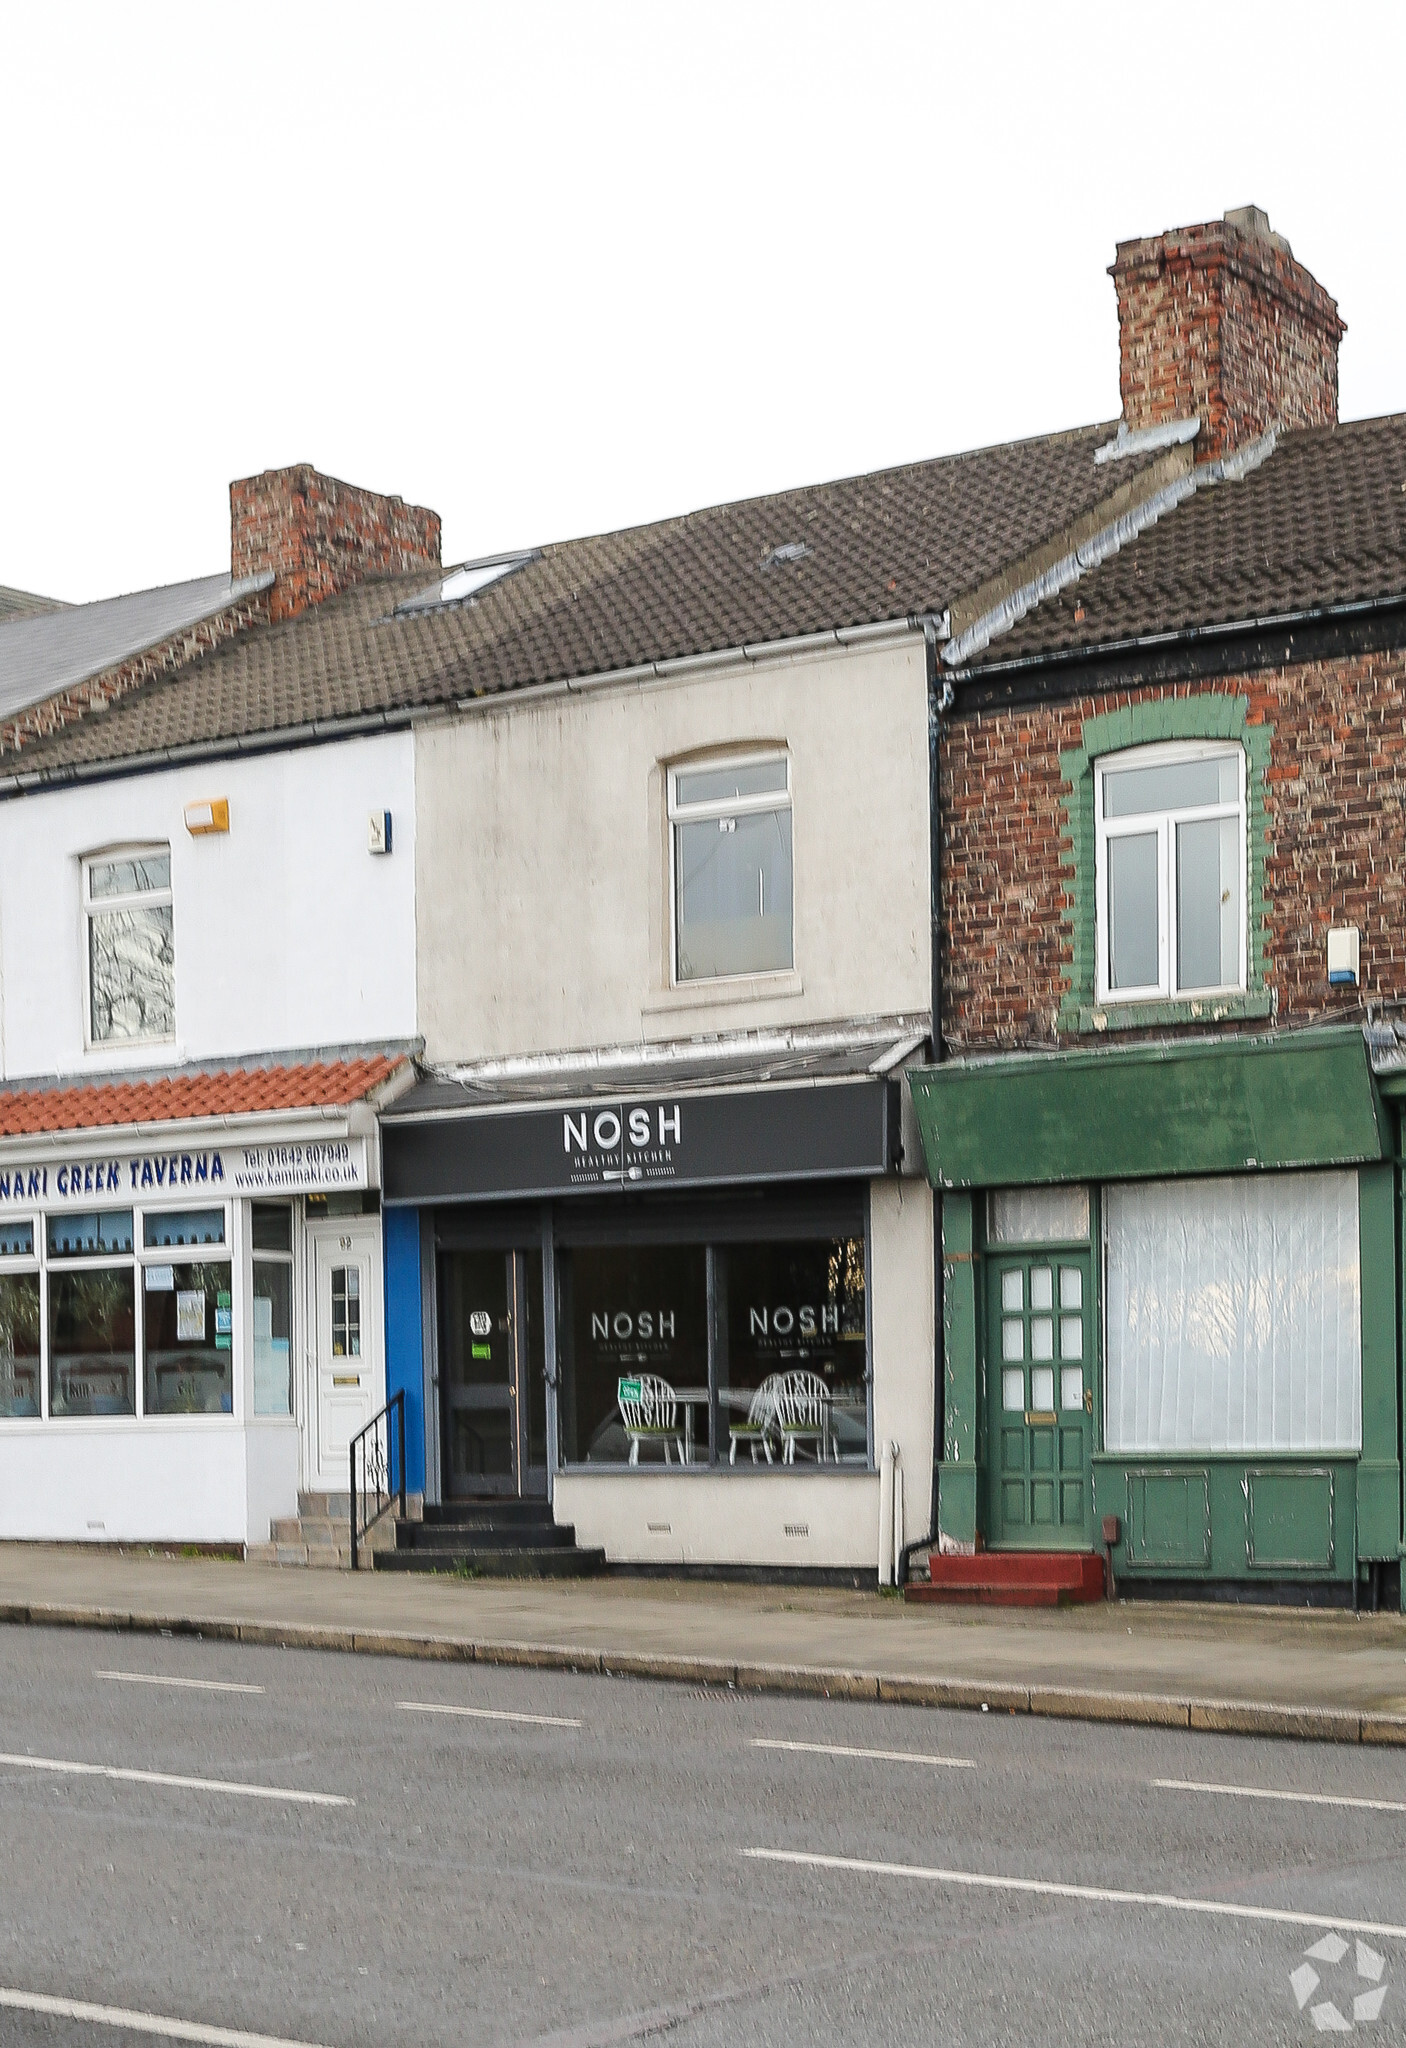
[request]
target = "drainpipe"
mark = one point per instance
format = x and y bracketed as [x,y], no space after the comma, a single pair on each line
[939,701]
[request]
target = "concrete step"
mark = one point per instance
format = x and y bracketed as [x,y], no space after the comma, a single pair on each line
[324,1506]
[504,1563]
[1011,1578]
[464,1513]
[484,1536]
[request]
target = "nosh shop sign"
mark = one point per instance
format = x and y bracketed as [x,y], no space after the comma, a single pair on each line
[845,1128]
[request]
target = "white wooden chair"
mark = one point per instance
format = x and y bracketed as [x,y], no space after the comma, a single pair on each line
[761,1425]
[803,1411]
[651,1417]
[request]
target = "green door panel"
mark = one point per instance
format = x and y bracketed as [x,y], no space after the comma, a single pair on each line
[1169,1519]
[1040,1385]
[1289,1520]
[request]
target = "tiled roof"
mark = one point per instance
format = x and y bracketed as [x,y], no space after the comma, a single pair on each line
[1322,522]
[50,649]
[875,548]
[232,1091]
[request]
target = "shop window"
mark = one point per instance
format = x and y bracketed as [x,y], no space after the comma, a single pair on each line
[1170,843]
[92,1314]
[775,1376]
[791,1381]
[1234,1315]
[636,1322]
[731,845]
[19,1321]
[188,1330]
[1058,1215]
[181,1227]
[271,1228]
[129,946]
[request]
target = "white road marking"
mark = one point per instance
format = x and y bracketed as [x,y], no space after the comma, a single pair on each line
[1295,1798]
[189,1684]
[153,2023]
[77,1770]
[1099,1895]
[882,1756]
[486,1714]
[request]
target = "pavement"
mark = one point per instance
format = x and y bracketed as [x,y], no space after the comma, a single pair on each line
[223,1843]
[1318,1675]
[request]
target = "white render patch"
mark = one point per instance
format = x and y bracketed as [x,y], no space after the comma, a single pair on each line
[1147,440]
[54,651]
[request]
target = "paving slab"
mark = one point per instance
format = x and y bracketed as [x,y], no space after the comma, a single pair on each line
[1328,1676]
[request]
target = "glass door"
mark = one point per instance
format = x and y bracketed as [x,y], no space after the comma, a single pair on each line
[492,1374]
[1040,1383]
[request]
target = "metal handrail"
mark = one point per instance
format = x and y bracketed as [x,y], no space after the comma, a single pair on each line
[375,1449]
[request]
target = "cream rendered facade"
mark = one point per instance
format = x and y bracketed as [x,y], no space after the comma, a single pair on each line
[544,923]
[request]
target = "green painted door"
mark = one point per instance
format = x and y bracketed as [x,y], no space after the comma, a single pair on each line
[1040,1384]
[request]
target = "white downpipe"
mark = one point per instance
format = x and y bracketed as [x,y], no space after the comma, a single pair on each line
[886,1556]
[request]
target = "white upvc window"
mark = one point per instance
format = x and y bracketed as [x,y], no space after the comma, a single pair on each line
[1170,857]
[129,953]
[730,850]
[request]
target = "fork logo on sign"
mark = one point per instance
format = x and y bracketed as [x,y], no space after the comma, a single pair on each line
[1356,1993]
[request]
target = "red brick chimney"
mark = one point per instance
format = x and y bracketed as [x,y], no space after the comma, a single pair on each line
[1220,323]
[320,536]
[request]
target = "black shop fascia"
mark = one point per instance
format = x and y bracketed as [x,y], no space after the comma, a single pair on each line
[684,1230]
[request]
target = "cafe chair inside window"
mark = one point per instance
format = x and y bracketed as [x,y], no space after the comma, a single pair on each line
[650,1415]
[803,1403]
[762,1429]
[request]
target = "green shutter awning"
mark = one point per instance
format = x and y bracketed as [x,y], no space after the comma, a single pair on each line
[1152,1111]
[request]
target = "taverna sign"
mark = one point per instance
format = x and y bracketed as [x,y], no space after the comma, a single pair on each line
[208,1171]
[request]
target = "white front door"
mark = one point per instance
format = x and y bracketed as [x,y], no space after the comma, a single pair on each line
[347,1370]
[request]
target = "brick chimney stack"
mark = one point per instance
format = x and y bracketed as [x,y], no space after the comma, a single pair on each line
[320,536]
[1219,322]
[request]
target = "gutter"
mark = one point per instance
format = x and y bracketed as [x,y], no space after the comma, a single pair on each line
[750,652]
[1137,643]
[327,731]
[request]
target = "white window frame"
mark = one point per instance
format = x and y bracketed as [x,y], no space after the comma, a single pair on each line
[725,807]
[31,1262]
[145,899]
[185,1255]
[233,1250]
[1164,824]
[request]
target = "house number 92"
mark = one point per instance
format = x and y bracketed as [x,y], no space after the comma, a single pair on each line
[345,1243]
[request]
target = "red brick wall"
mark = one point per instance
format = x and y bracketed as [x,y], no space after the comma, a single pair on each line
[1335,800]
[1225,325]
[97,692]
[320,536]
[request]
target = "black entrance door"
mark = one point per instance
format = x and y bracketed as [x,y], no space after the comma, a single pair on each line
[492,1374]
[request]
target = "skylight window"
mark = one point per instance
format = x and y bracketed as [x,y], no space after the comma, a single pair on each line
[792,551]
[463,584]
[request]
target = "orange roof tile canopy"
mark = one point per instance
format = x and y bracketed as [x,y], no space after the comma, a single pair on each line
[234,1091]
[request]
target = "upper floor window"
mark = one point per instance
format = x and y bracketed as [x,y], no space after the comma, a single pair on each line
[1170,861]
[130,946]
[731,829]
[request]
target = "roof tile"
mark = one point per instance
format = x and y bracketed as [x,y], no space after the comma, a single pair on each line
[232,1091]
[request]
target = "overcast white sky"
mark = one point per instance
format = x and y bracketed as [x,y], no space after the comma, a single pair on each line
[554,269]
